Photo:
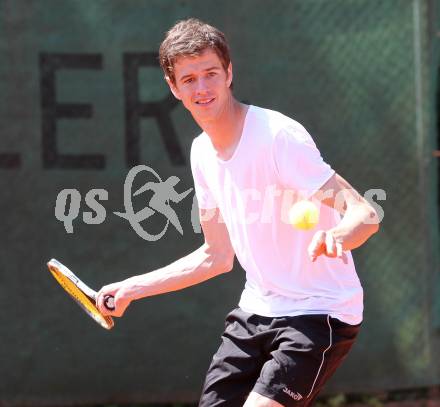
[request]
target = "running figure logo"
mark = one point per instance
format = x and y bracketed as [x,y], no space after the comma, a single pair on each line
[163,193]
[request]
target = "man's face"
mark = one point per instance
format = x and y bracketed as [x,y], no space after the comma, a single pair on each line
[202,84]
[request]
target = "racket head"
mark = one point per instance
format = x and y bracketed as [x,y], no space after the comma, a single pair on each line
[83,295]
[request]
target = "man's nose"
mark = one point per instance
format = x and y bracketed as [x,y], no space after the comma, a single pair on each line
[201,86]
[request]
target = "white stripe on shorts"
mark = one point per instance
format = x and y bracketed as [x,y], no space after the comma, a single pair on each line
[323,355]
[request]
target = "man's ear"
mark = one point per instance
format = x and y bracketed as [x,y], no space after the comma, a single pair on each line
[173,88]
[229,75]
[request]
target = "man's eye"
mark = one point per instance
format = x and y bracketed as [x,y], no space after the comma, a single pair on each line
[212,73]
[189,80]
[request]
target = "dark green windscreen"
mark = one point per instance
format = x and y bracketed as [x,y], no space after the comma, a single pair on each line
[83,101]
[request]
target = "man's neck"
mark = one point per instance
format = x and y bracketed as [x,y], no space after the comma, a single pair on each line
[225,132]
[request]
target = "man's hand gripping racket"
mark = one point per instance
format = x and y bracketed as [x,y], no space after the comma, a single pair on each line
[83,295]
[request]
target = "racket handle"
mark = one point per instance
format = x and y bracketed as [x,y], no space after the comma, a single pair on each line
[109,302]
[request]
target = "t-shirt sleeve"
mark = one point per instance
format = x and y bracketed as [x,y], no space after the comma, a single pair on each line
[204,196]
[298,161]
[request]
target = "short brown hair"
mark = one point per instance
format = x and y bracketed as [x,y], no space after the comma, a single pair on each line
[190,38]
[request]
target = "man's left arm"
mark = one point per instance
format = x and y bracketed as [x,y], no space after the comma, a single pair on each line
[359,220]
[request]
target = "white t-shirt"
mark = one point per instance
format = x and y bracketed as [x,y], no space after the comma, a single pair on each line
[274,164]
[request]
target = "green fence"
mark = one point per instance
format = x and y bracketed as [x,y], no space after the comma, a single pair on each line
[83,101]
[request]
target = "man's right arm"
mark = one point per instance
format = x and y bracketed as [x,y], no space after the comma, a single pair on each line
[214,257]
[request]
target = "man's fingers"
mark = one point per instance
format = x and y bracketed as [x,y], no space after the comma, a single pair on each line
[120,304]
[339,251]
[317,245]
[100,303]
[325,243]
[330,245]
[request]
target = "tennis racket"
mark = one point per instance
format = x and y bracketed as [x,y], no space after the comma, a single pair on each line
[83,295]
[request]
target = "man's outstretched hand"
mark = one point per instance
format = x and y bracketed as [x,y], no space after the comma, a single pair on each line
[324,243]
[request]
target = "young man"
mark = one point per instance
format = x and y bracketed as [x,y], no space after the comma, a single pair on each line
[301,307]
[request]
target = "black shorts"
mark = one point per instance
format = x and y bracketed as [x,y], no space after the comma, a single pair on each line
[287,359]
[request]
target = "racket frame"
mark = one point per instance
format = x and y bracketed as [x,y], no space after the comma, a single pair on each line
[80,292]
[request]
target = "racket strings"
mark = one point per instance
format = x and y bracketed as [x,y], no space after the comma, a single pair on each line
[81,299]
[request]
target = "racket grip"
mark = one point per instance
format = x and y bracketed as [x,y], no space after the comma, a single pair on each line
[109,302]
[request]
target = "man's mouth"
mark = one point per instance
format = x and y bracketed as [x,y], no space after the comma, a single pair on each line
[204,101]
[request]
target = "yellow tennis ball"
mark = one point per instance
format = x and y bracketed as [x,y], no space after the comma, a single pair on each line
[304,215]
